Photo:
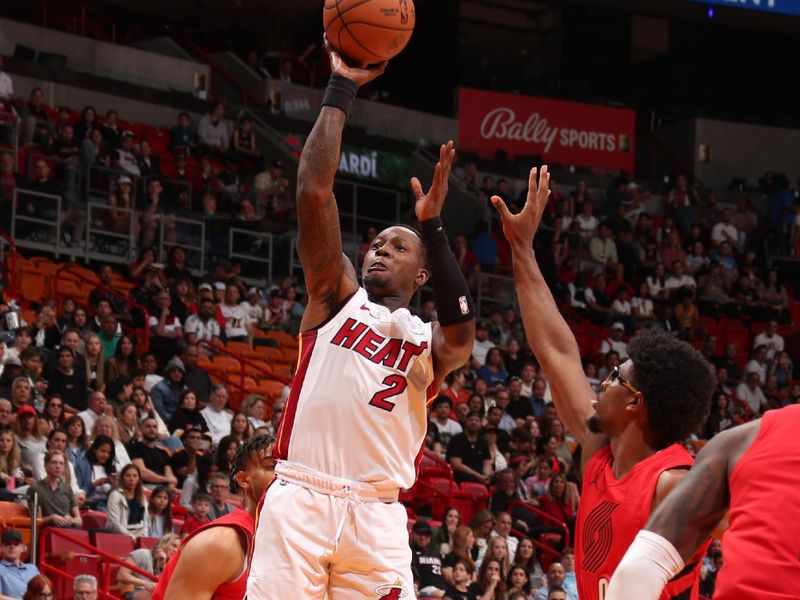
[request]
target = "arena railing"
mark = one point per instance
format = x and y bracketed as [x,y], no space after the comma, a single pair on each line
[102,182]
[39,229]
[365,205]
[11,266]
[103,240]
[541,516]
[189,234]
[67,172]
[252,247]
[495,292]
[107,562]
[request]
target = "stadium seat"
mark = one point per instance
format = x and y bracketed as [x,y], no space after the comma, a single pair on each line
[115,544]
[93,519]
[474,488]
[9,510]
[238,348]
[32,286]
[228,363]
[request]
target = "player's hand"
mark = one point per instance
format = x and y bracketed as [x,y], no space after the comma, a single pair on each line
[360,75]
[520,229]
[429,206]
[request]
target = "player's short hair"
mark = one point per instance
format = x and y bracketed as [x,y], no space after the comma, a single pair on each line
[201,496]
[256,443]
[676,383]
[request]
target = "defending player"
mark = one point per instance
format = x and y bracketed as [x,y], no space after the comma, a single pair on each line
[630,434]
[212,562]
[754,470]
[355,421]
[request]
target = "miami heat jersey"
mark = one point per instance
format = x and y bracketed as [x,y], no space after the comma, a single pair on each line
[357,407]
[761,547]
[611,513]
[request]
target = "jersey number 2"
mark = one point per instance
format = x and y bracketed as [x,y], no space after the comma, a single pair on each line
[397,385]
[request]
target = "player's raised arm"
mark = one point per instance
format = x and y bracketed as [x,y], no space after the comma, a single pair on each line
[683,521]
[454,333]
[548,334]
[329,275]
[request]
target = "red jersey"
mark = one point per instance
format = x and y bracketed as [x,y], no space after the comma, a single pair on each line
[762,545]
[610,514]
[244,524]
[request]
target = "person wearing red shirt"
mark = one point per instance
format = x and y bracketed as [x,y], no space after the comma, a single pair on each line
[753,473]
[227,539]
[630,432]
[201,506]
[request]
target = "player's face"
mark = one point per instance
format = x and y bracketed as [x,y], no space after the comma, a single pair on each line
[612,401]
[261,471]
[394,263]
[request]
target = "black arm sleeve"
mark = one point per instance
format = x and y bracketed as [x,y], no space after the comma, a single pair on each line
[454,303]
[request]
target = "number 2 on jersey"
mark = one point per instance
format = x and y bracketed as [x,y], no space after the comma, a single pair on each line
[397,385]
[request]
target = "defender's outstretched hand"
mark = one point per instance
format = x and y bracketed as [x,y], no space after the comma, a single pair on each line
[520,229]
[429,206]
[360,75]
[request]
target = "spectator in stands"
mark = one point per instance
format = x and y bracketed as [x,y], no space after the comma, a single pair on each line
[771,340]
[749,391]
[240,427]
[187,415]
[725,231]
[151,560]
[84,588]
[97,406]
[440,415]
[30,440]
[57,504]
[166,331]
[121,216]
[159,512]
[468,453]
[555,581]
[101,458]
[244,148]
[491,583]
[201,507]
[189,459]
[127,504]
[502,530]
[124,362]
[149,164]
[482,345]
[95,369]
[183,134]
[110,333]
[11,474]
[124,159]
[195,377]
[603,251]
[615,342]
[758,363]
[94,153]
[14,573]
[112,136]
[165,393]
[212,132]
[203,326]
[37,128]
[721,417]
[237,325]
[217,418]
[87,122]
[599,302]
[8,183]
[561,501]
[586,221]
[679,280]
[153,462]
[36,206]
[484,247]
[219,487]
[425,563]
[493,371]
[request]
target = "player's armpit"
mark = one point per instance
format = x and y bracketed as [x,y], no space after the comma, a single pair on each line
[193,578]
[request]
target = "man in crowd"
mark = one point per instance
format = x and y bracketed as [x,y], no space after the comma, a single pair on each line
[165,393]
[153,462]
[215,414]
[195,378]
[468,453]
[84,588]
[440,415]
[426,564]
[219,494]
[14,574]
[57,504]
[771,340]
[97,407]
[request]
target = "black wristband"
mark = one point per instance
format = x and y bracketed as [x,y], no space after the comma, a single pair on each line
[340,93]
[450,291]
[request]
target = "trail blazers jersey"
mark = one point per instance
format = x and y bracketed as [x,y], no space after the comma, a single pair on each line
[357,408]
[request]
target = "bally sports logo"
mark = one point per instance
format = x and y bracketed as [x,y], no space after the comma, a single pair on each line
[502,124]
[570,133]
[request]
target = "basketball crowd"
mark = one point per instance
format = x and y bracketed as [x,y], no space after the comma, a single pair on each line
[91,421]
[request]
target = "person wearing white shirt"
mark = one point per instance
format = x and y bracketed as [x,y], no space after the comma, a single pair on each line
[615,342]
[750,392]
[770,339]
[238,327]
[202,326]
[97,406]
[6,85]
[642,305]
[440,415]
[216,417]
[725,230]
[481,346]
[679,279]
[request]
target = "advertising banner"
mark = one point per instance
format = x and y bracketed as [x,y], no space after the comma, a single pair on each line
[570,133]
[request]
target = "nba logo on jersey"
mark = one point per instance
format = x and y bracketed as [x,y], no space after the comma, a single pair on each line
[392,591]
[463,305]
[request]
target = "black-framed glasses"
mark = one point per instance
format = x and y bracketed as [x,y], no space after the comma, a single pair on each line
[616,375]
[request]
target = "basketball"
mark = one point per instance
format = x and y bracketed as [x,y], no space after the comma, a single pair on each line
[368,31]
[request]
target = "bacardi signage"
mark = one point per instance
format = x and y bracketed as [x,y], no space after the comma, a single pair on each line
[570,133]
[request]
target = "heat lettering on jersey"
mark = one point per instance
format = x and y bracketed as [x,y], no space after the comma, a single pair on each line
[394,353]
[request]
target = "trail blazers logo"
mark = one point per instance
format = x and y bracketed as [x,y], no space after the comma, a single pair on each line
[391,591]
[598,536]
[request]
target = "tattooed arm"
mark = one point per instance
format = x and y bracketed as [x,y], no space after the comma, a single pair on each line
[330,277]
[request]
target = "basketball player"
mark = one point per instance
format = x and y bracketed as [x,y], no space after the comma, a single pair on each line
[631,432]
[754,470]
[354,425]
[212,561]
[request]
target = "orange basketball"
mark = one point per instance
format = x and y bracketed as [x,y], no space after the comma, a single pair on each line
[368,31]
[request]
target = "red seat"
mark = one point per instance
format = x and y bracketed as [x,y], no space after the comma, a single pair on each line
[115,544]
[475,488]
[146,542]
[93,519]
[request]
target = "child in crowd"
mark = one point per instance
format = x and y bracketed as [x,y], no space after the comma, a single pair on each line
[201,506]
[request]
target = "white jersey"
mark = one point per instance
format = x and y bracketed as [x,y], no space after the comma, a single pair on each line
[357,408]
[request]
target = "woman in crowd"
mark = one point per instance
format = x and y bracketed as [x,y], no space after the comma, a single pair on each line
[54,416]
[159,512]
[498,550]
[127,506]
[124,361]
[80,322]
[556,429]
[482,523]
[187,414]
[491,584]
[31,442]
[539,483]
[498,459]
[108,426]
[494,371]
[463,546]
[442,540]
[657,282]
[39,588]
[77,444]
[129,423]
[11,474]
[514,359]
[95,370]
[518,582]
[226,450]
[782,369]
[720,418]
[642,306]
[152,561]
[67,381]
[775,298]
[526,558]
[86,123]
[561,501]
[240,427]
[145,406]
[476,404]
[100,457]
[253,407]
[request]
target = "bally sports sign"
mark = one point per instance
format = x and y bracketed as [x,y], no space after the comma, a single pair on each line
[570,133]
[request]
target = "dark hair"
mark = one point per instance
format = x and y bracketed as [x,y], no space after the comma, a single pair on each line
[243,454]
[69,423]
[222,449]
[91,453]
[36,586]
[53,432]
[676,384]
[132,360]
[442,399]
[201,496]
[167,511]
